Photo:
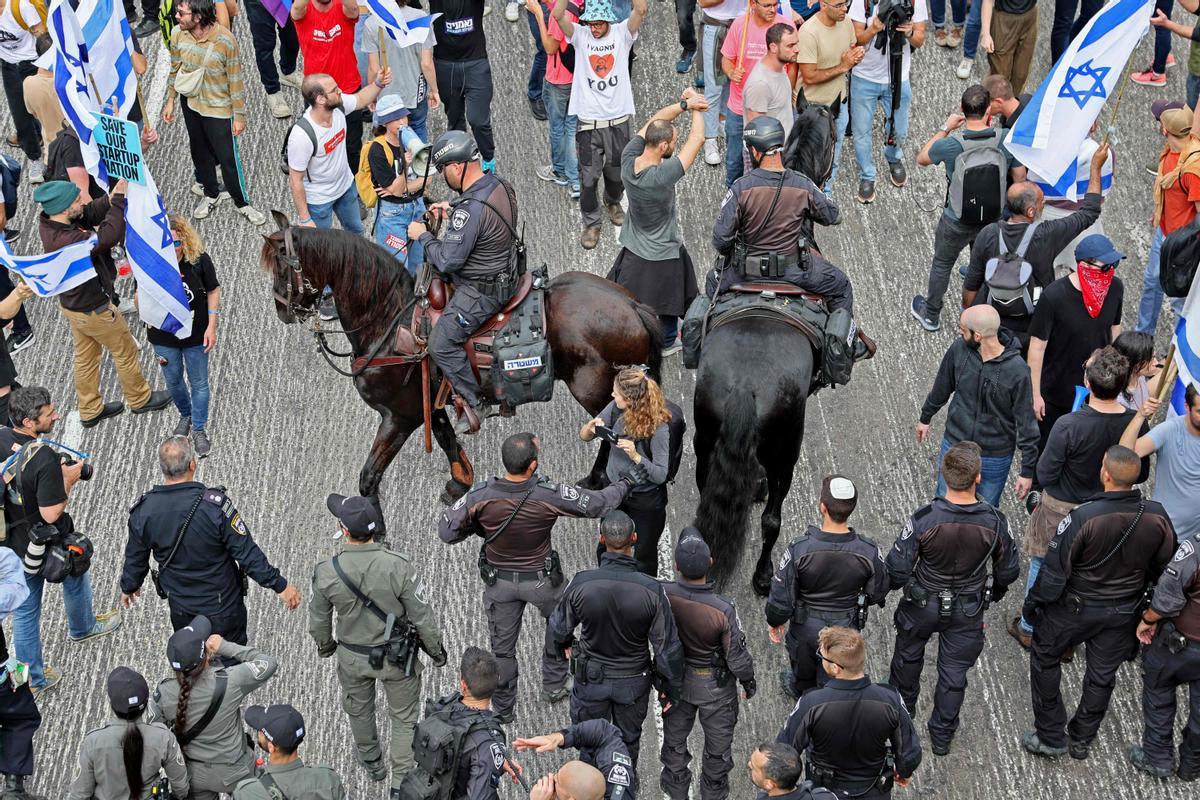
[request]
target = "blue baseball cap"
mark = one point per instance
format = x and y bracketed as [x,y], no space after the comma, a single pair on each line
[389,108]
[1097,247]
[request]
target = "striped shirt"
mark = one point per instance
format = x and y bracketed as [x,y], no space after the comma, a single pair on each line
[222,93]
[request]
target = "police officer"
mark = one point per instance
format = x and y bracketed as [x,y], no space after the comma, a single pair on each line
[600,746]
[202,705]
[279,730]
[1090,588]
[714,654]
[857,736]
[105,751]
[1171,630]
[202,546]
[478,253]
[828,576]
[515,515]
[382,620]
[775,770]
[953,558]
[622,613]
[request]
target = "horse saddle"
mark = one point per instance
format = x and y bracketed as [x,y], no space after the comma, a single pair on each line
[778,288]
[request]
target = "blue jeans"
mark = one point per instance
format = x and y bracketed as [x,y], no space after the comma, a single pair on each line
[937,12]
[417,121]
[717,94]
[174,361]
[1035,566]
[994,475]
[537,71]
[1162,39]
[391,219]
[733,145]
[1067,25]
[838,136]
[346,208]
[1152,294]
[563,155]
[360,57]
[864,97]
[974,26]
[27,620]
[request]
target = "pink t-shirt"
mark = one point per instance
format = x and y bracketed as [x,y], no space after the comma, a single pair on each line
[756,48]
[556,71]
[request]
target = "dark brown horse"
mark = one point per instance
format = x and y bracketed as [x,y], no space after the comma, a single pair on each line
[593,326]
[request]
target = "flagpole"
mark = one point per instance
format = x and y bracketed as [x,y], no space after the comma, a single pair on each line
[382,50]
[1112,121]
[1166,378]
[745,29]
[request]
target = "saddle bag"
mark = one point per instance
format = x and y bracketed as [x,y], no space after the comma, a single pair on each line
[522,369]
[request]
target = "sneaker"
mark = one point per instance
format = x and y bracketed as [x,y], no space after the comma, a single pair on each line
[183,427]
[206,206]
[201,443]
[327,309]
[18,342]
[489,166]
[198,190]
[11,234]
[698,82]
[954,38]
[963,71]
[106,623]
[684,64]
[1149,78]
[512,12]
[897,173]
[590,237]
[787,685]
[917,309]
[574,191]
[1033,744]
[12,140]
[548,174]
[941,38]
[37,171]
[1078,749]
[616,214]
[147,27]
[1139,759]
[553,696]
[278,106]
[866,191]
[1017,632]
[673,348]
[292,79]
[487,10]
[107,410]
[252,215]
[158,401]
[1170,60]
[537,107]
[53,678]
[712,153]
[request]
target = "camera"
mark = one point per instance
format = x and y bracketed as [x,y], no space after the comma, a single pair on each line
[895,12]
[606,434]
[85,472]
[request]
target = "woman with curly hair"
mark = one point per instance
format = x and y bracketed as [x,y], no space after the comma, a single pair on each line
[638,415]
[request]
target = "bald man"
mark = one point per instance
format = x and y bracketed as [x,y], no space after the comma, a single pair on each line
[604,753]
[990,393]
[575,780]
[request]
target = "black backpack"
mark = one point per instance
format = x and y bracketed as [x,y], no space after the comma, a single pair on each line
[1178,259]
[1009,277]
[304,125]
[438,743]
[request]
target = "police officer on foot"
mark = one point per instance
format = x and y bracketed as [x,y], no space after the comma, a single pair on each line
[574,780]
[623,613]
[279,730]
[828,576]
[600,748]
[515,515]
[106,753]
[857,736]
[479,254]
[714,656]
[382,621]
[1098,568]
[1170,629]
[202,546]
[954,557]
[775,770]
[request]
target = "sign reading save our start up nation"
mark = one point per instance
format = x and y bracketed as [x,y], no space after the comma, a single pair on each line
[121,148]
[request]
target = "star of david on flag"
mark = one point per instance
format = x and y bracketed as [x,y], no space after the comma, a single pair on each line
[1084,73]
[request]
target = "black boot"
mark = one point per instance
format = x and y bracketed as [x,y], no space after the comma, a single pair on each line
[14,789]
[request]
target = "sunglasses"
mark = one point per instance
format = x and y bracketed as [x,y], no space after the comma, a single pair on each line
[1101,267]
[177,243]
[827,660]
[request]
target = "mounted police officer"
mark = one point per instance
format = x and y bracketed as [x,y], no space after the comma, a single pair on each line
[954,557]
[1171,630]
[515,515]
[202,546]
[1099,566]
[857,736]
[600,747]
[382,621]
[481,253]
[828,576]
[714,655]
[623,613]
[279,730]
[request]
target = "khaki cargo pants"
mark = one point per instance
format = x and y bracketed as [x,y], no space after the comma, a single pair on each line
[95,331]
[404,705]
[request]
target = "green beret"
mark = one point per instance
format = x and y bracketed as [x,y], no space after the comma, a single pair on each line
[55,197]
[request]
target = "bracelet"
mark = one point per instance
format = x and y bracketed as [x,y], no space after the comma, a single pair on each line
[306,219]
[212,313]
[377,83]
[1148,622]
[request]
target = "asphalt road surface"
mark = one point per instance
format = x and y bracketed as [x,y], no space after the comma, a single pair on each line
[287,431]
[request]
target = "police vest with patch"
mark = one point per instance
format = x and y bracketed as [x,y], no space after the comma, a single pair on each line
[439,742]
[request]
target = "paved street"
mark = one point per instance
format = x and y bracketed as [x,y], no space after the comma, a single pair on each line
[287,430]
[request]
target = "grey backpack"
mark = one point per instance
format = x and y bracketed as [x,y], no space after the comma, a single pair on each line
[977,189]
[1009,276]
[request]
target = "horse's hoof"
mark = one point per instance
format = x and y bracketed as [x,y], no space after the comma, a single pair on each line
[591,483]
[452,492]
[762,586]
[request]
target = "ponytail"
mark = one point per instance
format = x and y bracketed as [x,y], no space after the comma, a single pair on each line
[647,409]
[185,680]
[132,750]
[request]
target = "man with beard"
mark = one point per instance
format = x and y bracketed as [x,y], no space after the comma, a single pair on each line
[96,325]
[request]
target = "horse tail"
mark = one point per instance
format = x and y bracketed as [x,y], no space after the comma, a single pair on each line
[724,508]
[653,326]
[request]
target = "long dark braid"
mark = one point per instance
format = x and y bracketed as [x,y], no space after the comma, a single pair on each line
[186,680]
[132,749]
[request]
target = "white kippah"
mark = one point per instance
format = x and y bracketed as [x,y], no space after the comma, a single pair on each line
[841,489]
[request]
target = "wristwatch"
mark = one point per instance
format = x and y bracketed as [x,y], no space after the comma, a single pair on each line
[944,130]
[683,105]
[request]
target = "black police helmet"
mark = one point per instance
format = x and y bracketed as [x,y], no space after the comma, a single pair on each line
[764,134]
[454,147]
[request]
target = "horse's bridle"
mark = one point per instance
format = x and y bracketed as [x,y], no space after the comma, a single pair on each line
[298,285]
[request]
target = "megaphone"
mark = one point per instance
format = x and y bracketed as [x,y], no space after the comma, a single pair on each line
[1081,395]
[420,151]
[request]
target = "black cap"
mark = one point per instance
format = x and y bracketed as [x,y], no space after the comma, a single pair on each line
[127,690]
[692,556]
[281,724]
[185,648]
[356,512]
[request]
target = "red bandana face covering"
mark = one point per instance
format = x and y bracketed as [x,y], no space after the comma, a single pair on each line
[1094,283]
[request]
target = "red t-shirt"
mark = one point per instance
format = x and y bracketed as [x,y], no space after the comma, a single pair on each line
[1179,202]
[327,42]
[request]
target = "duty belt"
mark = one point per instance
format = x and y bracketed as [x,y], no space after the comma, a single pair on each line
[1076,603]
[594,124]
[498,287]
[361,649]
[520,577]
[768,265]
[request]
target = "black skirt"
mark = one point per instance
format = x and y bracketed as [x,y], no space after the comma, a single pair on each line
[668,287]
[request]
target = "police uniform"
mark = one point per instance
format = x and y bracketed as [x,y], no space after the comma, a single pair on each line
[388,579]
[622,613]
[481,762]
[854,735]
[823,579]
[518,565]
[476,254]
[205,574]
[952,561]
[283,726]
[1172,660]
[1096,570]
[600,744]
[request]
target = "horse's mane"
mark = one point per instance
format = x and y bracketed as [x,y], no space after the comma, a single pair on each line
[808,149]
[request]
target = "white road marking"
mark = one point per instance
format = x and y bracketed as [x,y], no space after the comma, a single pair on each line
[72,435]
[666,572]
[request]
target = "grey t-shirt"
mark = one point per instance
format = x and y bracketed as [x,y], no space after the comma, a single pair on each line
[655,454]
[650,228]
[1177,474]
[405,62]
[769,92]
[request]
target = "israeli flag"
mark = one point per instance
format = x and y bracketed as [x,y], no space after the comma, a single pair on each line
[72,79]
[53,273]
[403,28]
[110,53]
[1187,348]
[150,246]
[1048,135]
[1080,177]
[281,10]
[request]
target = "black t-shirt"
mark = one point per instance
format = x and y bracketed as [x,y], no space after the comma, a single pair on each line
[383,169]
[1022,102]
[1015,6]
[1071,335]
[41,484]
[1069,469]
[459,30]
[8,370]
[65,152]
[198,280]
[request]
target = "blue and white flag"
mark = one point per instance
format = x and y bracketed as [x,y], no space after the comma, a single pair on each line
[150,246]
[53,273]
[1081,176]
[403,27]
[1187,348]
[110,54]
[1047,136]
[72,78]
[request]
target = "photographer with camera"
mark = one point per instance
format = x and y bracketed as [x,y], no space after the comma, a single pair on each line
[896,28]
[38,481]
[382,618]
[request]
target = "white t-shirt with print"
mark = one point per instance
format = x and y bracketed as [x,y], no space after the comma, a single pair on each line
[328,176]
[874,66]
[16,43]
[600,89]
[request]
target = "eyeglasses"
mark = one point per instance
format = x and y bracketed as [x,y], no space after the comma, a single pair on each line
[1101,267]
[827,659]
[596,24]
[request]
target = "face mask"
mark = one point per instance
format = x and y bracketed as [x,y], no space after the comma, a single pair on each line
[1094,283]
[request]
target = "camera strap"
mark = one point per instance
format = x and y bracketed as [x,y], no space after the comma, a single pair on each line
[496,534]
[162,566]
[213,707]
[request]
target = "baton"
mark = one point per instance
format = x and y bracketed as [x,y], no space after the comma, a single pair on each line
[520,775]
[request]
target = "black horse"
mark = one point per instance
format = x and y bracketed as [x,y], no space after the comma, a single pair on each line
[752,384]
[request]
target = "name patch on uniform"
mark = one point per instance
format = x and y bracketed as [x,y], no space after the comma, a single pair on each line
[1062,526]
[621,758]
[239,527]
[908,530]
[523,363]
[568,492]
[619,775]
[460,502]
[459,218]
[497,755]
[1185,550]
[259,668]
